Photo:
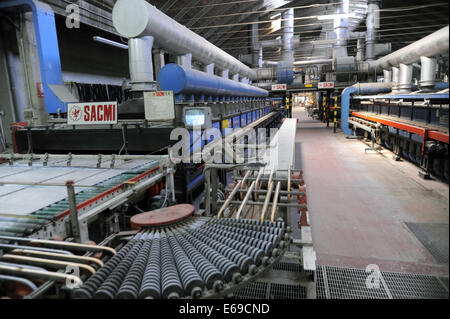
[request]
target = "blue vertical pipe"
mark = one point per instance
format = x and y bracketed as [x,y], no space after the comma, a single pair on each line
[47,45]
[359,88]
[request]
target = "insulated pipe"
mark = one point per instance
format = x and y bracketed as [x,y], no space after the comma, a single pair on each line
[359,88]
[341,29]
[141,64]
[387,76]
[430,46]
[359,50]
[137,18]
[257,57]
[395,79]
[267,74]
[372,23]
[287,52]
[427,72]
[405,82]
[188,81]
[285,71]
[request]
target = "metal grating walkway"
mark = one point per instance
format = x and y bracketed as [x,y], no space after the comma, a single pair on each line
[350,283]
[434,237]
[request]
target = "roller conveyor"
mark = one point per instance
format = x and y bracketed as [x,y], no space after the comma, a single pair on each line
[197,258]
[33,193]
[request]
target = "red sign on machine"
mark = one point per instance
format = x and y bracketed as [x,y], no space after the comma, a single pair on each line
[325,85]
[92,113]
[279,87]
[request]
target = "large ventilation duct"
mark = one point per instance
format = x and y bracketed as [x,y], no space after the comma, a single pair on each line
[181,80]
[141,65]
[286,65]
[138,18]
[429,46]
[372,24]
[257,56]
[287,52]
[341,30]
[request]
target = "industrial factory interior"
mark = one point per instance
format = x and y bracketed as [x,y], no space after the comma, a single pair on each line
[241,151]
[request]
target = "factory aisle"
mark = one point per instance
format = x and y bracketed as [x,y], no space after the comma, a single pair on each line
[363,206]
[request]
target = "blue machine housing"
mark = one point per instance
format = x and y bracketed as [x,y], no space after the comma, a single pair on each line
[285,73]
[47,45]
[180,80]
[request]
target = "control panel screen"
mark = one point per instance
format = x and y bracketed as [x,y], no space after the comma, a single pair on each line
[195,117]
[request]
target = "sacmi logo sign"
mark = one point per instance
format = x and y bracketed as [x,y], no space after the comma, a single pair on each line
[92,113]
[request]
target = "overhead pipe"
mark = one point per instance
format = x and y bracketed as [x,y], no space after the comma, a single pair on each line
[429,46]
[359,88]
[181,80]
[137,18]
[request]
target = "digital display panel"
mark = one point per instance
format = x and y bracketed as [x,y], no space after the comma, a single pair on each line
[195,117]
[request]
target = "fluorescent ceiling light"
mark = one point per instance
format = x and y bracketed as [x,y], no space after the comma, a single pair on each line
[275,16]
[321,42]
[110,42]
[336,16]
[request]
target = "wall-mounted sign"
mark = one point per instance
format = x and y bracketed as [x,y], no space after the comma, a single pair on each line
[308,85]
[326,85]
[90,113]
[279,87]
[159,106]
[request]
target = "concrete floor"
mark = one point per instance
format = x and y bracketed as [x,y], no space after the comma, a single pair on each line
[359,203]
